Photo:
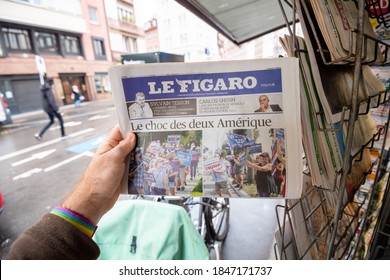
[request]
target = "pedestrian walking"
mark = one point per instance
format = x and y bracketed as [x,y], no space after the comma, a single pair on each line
[220,178]
[76,96]
[50,107]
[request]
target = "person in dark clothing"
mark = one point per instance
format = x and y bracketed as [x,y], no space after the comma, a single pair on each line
[194,161]
[266,107]
[51,108]
[265,182]
[66,232]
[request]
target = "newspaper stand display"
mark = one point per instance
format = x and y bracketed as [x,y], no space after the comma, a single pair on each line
[340,231]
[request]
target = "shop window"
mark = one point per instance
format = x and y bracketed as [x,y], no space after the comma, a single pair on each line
[98,47]
[102,83]
[16,39]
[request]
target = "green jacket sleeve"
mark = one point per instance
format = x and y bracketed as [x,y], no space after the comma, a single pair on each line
[53,238]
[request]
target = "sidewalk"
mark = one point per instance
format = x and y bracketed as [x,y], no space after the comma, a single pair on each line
[40,115]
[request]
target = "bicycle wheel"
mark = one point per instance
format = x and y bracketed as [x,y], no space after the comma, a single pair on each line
[217,218]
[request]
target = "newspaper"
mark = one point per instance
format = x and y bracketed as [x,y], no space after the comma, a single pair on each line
[325,149]
[337,20]
[229,128]
[322,148]
[336,80]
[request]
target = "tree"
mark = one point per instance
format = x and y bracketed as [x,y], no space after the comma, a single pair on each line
[193,136]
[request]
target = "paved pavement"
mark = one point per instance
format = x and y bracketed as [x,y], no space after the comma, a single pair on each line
[40,116]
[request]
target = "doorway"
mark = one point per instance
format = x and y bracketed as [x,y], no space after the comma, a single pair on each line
[73,79]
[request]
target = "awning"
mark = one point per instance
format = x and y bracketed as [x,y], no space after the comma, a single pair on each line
[241,20]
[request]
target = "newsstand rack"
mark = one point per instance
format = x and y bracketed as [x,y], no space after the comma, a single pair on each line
[341,226]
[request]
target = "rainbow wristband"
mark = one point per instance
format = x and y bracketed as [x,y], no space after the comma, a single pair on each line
[75,219]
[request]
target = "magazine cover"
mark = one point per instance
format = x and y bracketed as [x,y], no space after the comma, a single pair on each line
[229,128]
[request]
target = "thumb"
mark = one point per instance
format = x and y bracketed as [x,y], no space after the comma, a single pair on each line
[126,145]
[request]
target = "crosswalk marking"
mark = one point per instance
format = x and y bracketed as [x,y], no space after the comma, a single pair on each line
[42,145]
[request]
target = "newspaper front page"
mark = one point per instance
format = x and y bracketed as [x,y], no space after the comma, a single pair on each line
[229,128]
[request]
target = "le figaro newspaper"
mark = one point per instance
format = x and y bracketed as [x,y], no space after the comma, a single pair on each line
[226,128]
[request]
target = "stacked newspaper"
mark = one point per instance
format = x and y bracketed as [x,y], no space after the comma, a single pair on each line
[337,20]
[308,227]
[331,86]
[322,148]
[336,90]
[311,222]
[325,91]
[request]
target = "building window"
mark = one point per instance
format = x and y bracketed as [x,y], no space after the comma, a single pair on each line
[93,15]
[2,50]
[98,47]
[130,44]
[168,24]
[71,44]
[16,39]
[133,42]
[35,2]
[126,44]
[182,20]
[183,39]
[125,15]
[168,42]
[47,42]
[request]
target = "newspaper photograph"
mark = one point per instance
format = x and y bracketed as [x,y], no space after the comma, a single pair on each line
[228,129]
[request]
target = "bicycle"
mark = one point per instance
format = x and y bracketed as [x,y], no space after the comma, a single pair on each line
[211,220]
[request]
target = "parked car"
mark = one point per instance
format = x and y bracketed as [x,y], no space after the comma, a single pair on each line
[5,113]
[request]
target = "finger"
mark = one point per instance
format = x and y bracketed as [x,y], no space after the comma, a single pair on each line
[112,140]
[115,134]
[126,145]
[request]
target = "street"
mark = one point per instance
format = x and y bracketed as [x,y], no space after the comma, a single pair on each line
[36,175]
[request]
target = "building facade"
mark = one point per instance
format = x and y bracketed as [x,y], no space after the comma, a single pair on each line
[152,41]
[123,32]
[266,46]
[73,41]
[69,39]
[178,31]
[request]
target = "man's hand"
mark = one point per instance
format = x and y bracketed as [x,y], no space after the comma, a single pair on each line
[100,186]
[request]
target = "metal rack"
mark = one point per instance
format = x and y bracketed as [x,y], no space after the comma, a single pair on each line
[380,247]
[342,226]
